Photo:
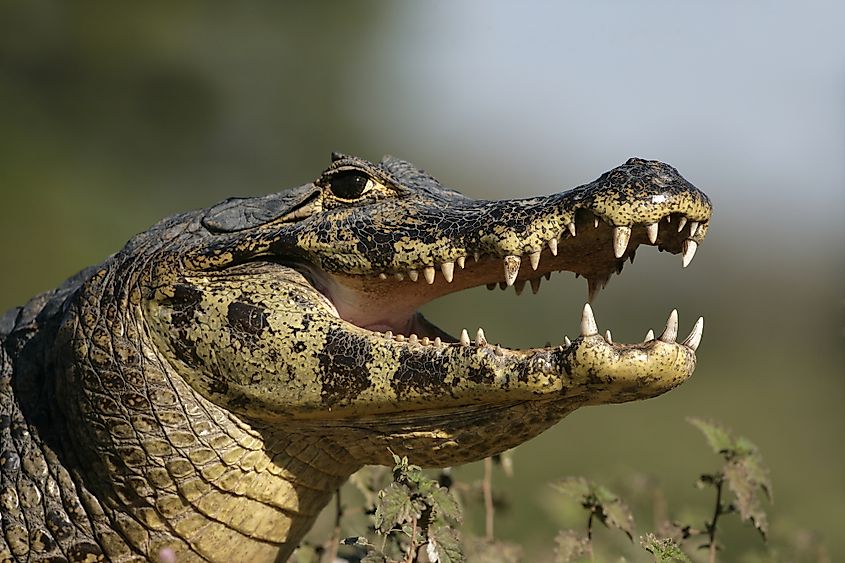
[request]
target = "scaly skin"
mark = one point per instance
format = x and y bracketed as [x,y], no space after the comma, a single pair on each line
[206,389]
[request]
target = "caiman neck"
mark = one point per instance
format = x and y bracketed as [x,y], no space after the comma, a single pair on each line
[170,470]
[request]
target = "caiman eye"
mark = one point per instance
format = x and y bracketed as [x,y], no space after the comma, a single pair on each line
[350,185]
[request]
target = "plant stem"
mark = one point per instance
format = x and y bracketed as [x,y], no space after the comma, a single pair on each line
[487,489]
[711,528]
[590,534]
[330,553]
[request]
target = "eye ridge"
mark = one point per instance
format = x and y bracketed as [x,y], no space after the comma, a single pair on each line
[349,185]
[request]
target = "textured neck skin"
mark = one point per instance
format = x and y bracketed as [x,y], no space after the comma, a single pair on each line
[147,464]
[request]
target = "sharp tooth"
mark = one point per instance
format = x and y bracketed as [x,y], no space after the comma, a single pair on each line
[425,340]
[620,240]
[571,227]
[462,262]
[608,336]
[670,333]
[693,227]
[464,337]
[491,286]
[389,334]
[399,338]
[652,232]
[588,322]
[535,285]
[595,222]
[437,341]
[382,276]
[428,272]
[690,247]
[519,286]
[547,275]
[399,276]
[534,257]
[448,269]
[511,268]
[649,335]
[553,246]
[567,341]
[498,351]
[594,285]
[413,275]
[413,339]
[694,338]
[476,256]
[682,223]
[479,338]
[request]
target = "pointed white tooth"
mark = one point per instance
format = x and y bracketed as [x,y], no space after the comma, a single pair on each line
[553,246]
[425,340]
[519,286]
[428,272]
[535,285]
[594,285]
[399,276]
[571,227]
[480,340]
[413,275]
[690,247]
[608,336]
[511,268]
[413,339]
[670,333]
[534,257]
[588,322]
[437,341]
[595,222]
[693,228]
[448,269]
[567,341]
[464,337]
[620,240]
[649,335]
[682,223]
[389,334]
[694,338]
[498,351]
[491,286]
[382,276]
[462,262]
[399,338]
[476,256]
[652,232]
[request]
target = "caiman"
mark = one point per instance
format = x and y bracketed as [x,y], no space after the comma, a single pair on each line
[204,391]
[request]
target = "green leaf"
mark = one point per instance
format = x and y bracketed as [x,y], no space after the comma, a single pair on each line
[394,506]
[744,480]
[444,504]
[606,505]
[663,549]
[719,438]
[570,546]
[374,557]
[444,545]
[576,488]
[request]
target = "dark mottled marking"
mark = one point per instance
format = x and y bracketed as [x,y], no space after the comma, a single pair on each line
[185,300]
[419,372]
[85,551]
[244,317]
[480,374]
[342,362]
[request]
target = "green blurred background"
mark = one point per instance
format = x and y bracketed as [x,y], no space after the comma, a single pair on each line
[113,115]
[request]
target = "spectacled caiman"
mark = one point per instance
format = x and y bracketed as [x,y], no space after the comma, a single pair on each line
[206,389]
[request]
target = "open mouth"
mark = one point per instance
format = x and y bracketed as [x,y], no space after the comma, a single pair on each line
[387,302]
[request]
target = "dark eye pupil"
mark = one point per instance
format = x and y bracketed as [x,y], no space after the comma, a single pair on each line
[348,186]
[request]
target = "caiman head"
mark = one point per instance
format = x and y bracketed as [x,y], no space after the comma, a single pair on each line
[300,309]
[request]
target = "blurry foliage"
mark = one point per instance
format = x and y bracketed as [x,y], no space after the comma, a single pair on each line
[413,517]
